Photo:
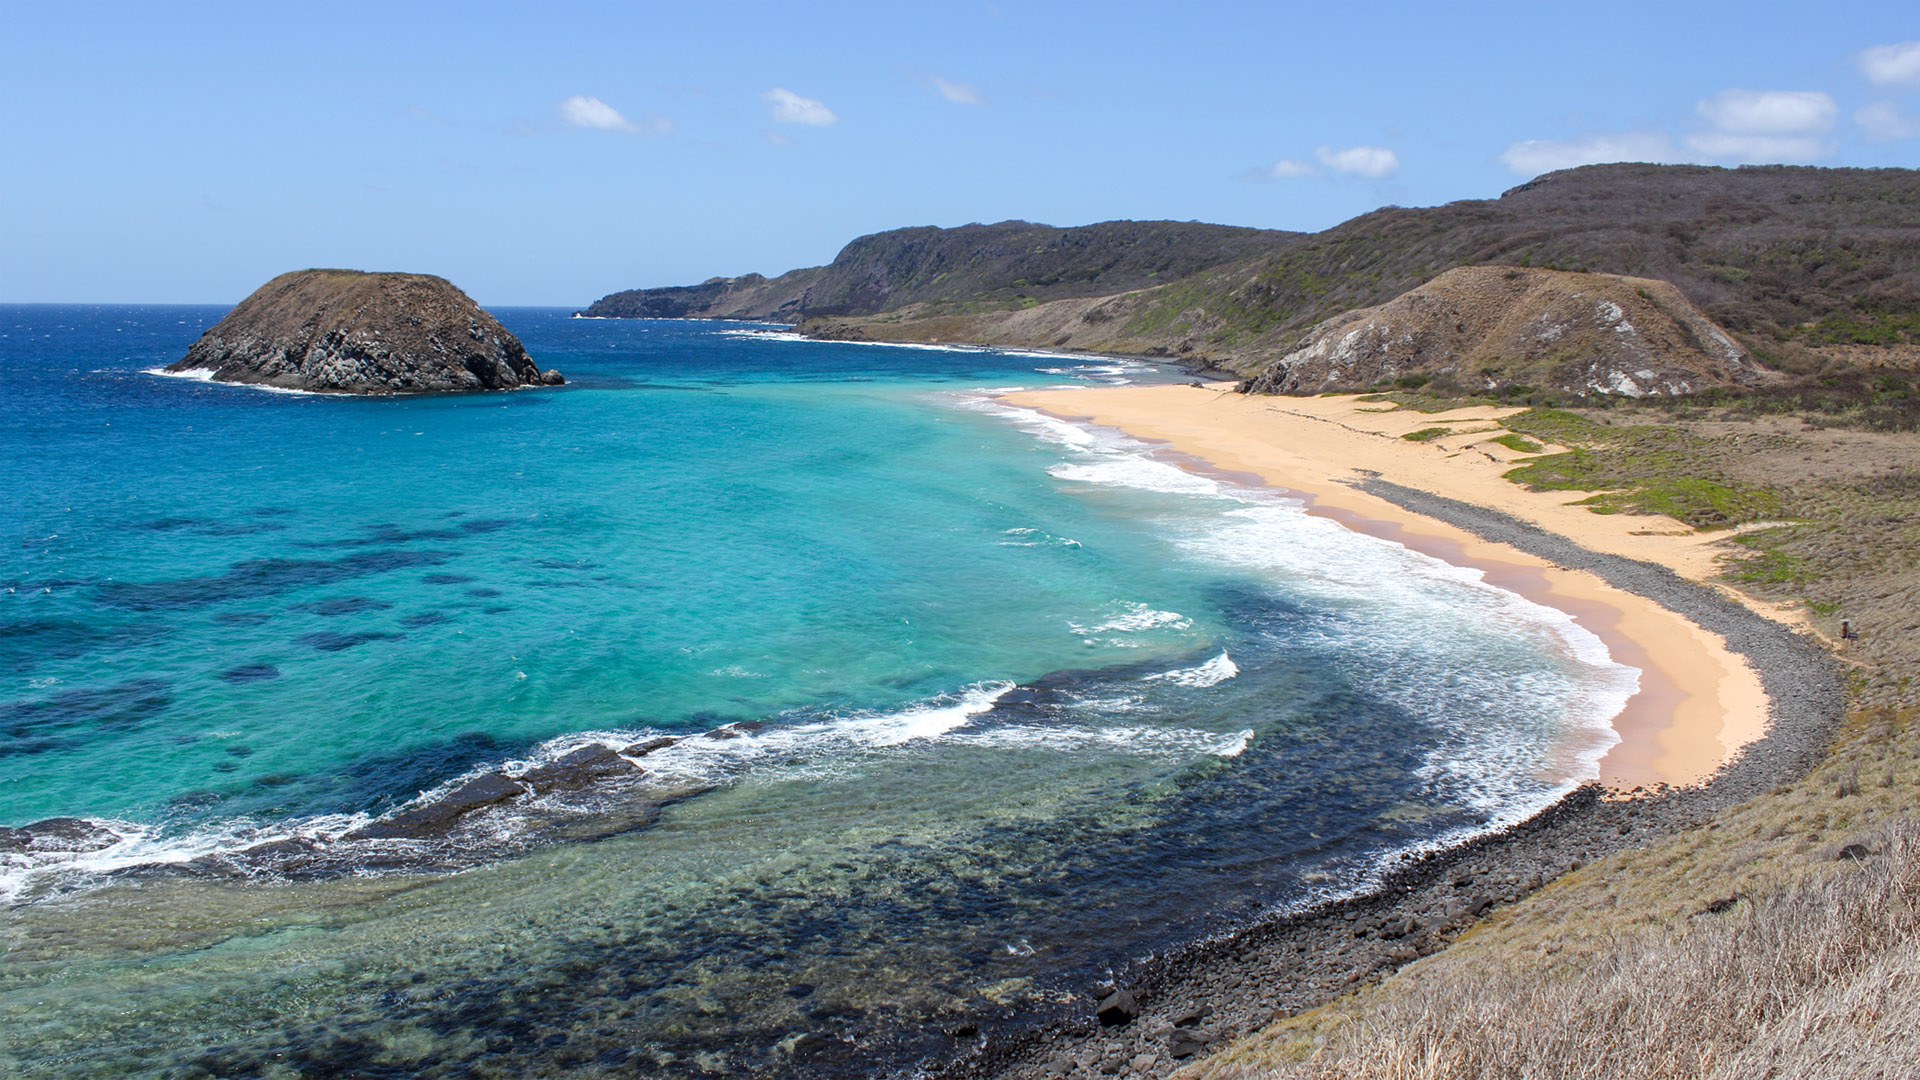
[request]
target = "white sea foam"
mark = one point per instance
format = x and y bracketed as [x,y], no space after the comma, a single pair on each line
[1131,617]
[24,875]
[1107,369]
[206,376]
[1212,673]
[1514,688]
[806,749]
[1144,740]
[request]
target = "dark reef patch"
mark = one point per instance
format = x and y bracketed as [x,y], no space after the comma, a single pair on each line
[447,579]
[30,727]
[343,605]
[242,618]
[327,641]
[394,534]
[424,618]
[255,578]
[25,645]
[250,673]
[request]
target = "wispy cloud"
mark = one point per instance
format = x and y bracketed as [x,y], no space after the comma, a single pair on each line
[418,113]
[787,107]
[1765,126]
[777,138]
[1748,127]
[1531,157]
[1373,162]
[582,111]
[1892,65]
[957,92]
[1288,169]
[1886,121]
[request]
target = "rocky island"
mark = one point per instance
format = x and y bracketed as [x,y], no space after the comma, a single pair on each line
[352,332]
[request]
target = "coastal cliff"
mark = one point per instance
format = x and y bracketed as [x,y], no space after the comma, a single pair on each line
[350,332]
[1807,271]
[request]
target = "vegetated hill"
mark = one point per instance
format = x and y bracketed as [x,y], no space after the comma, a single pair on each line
[1483,328]
[1006,265]
[351,332]
[1797,264]
[1774,254]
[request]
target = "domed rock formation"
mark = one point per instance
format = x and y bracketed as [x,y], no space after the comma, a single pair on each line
[1480,328]
[349,332]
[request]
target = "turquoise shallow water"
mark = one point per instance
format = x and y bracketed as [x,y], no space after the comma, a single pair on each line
[1037,702]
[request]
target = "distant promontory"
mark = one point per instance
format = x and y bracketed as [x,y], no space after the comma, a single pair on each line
[351,332]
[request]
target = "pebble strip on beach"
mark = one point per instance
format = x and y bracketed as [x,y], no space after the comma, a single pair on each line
[1163,1012]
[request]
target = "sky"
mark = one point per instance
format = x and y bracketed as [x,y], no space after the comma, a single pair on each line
[549,154]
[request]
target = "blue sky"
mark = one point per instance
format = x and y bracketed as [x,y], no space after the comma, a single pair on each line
[548,154]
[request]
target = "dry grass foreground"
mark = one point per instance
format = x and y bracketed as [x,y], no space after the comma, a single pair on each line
[1758,945]
[1819,980]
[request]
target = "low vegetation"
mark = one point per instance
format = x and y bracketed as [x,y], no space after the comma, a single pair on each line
[1638,469]
[1813,981]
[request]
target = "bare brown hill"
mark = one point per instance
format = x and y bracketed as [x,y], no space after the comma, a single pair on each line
[1500,329]
[351,332]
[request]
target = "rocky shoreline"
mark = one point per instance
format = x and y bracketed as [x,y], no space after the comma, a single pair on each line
[1162,1012]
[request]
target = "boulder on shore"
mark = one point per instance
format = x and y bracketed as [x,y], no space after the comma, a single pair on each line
[350,332]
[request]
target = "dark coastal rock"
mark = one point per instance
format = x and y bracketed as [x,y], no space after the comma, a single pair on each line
[582,768]
[642,749]
[348,332]
[66,834]
[13,839]
[440,814]
[1117,1009]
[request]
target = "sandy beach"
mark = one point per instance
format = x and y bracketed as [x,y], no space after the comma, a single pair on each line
[1698,704]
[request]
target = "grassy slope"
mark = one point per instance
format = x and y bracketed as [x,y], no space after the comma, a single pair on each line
[1617,970]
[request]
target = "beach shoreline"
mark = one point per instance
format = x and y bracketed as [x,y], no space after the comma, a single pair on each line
[1698,703]
[1204,995]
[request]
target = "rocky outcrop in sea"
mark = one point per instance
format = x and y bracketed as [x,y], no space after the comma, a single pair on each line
[349,332]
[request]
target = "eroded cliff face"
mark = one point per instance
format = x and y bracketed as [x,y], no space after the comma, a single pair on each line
[349,332]
[1482,328]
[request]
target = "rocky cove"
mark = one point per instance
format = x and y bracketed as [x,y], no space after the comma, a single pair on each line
[1151,1017]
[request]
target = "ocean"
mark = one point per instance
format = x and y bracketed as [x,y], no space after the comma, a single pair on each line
[974,705]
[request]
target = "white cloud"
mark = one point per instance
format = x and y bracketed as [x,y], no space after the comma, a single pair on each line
[1770,112]
[582,111]
[1885,121]
[957,92]
[1369,161]
[1759,149]
[1287,169]
[1765,126]
[1892,65]
[1749,127]
[1531,157]
[787,107]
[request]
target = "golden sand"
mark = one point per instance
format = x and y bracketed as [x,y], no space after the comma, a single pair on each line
[1698,702]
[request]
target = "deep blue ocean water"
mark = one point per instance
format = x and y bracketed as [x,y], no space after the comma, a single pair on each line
[1036,701]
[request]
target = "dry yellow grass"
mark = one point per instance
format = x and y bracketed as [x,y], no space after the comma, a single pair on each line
[1820,979]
